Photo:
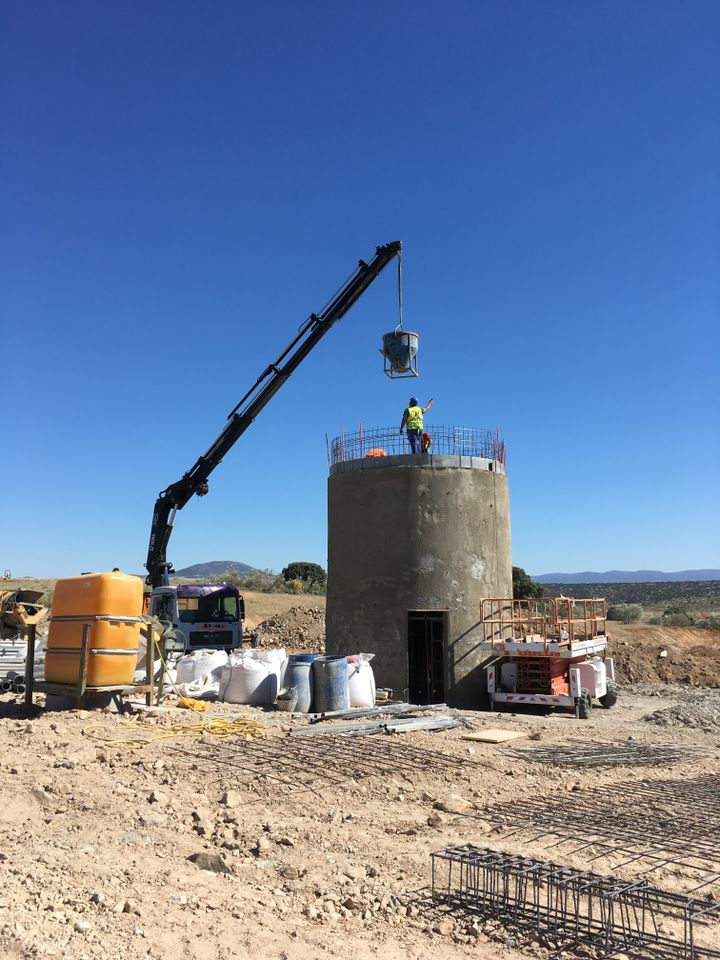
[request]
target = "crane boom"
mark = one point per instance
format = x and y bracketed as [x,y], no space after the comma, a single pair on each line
[175,496]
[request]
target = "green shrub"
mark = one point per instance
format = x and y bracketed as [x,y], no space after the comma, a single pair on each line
[524,586]
[709,623]
[305,571]
[625,612]
[677,620]
[655,621]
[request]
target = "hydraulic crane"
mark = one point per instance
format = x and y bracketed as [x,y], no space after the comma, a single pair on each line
[195,481]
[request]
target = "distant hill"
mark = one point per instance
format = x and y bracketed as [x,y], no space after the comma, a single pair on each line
[628,576]
[215,568]
[697,594]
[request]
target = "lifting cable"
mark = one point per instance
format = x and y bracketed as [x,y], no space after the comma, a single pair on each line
[400,303]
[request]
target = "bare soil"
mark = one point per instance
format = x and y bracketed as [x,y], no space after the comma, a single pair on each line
[326,856]
[330,859]
[646,653]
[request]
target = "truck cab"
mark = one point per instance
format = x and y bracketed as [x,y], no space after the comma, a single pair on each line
[202,615]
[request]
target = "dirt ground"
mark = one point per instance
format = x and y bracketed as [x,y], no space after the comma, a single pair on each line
[645,653]
[307,848]
[325,857]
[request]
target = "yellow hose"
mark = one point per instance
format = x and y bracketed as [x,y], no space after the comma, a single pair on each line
[235,725]
[219,727]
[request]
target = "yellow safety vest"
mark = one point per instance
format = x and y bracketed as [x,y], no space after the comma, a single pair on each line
[414,418]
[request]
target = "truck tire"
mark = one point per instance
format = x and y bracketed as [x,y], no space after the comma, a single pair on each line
[611,697]
[583,706]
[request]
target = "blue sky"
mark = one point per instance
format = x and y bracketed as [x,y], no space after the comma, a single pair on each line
[184,183]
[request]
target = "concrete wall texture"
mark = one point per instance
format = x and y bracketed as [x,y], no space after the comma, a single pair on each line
[416,533]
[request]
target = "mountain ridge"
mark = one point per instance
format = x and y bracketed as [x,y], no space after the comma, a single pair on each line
[627,576]
[214,568]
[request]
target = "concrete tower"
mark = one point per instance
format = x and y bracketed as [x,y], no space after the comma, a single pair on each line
[414,543]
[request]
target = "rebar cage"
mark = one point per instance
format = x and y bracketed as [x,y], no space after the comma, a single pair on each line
[562,620]
[577,907]
[445,441]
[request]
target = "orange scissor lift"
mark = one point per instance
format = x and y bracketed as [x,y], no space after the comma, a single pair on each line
[550,652]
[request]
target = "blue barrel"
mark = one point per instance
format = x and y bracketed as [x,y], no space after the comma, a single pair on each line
[330,684]
[298,675]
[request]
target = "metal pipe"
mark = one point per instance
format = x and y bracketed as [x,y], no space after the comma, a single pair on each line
[6,686]
[376,711]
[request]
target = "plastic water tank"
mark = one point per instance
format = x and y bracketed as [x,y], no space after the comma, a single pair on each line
[330,684]
[111,604]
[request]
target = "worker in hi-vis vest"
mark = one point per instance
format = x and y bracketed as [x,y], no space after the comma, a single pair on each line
[413,421]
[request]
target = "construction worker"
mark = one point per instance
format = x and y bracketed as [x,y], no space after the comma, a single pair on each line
[413,421]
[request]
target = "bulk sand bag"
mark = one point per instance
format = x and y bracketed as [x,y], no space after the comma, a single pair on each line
[252,677]
[198,673]
[361,680]
[201,663]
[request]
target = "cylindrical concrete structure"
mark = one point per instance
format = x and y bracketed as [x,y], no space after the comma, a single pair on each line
[414,543]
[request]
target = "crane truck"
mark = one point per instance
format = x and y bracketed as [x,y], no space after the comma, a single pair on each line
[210,615]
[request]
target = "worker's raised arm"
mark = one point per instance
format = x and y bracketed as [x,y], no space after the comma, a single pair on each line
[429,404]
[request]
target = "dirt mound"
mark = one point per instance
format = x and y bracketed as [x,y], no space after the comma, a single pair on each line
[699,711]
[299,630]
[647,654]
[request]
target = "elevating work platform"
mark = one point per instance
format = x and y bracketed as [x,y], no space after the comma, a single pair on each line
[549,651]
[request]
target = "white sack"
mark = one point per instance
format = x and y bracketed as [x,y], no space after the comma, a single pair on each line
[201,663]
[361,681]
[249,680]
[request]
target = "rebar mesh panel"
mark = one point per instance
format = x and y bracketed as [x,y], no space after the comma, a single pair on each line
[644,825]
[608,754]
[311,763]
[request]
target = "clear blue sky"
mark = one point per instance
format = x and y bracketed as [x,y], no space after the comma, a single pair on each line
[183,183]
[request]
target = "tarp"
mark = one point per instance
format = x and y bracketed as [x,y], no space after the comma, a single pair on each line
[185,590]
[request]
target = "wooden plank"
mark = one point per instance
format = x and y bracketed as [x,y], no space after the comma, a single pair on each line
[493,736]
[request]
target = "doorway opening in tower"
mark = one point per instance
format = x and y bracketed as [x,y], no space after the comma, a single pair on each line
[426,656]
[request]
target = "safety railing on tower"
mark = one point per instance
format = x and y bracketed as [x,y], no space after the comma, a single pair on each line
[435,440]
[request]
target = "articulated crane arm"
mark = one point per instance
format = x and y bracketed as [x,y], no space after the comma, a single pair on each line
[242,415]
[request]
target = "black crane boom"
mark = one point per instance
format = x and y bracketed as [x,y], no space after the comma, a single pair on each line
[246,410]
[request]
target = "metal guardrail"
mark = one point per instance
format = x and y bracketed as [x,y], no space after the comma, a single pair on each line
[446,441]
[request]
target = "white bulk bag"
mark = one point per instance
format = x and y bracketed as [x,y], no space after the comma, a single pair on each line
[361,680]
[201,663]
[248,680]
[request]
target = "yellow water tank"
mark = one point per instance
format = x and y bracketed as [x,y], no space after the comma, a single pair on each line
[111,605]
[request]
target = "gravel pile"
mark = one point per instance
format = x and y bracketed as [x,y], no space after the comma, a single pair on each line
[299,630]
[701,712]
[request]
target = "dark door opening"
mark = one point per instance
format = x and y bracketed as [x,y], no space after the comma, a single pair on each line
[426,656]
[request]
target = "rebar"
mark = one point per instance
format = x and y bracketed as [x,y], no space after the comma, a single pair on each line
[648,825]
[576,907]
[446,441]
[311,763]
[608,754]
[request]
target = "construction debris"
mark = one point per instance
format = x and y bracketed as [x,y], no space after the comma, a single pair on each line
[19,610]
[377,711]
[563,907]
[401,725]
[494,736]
